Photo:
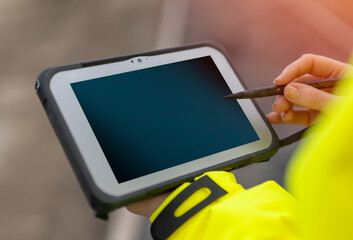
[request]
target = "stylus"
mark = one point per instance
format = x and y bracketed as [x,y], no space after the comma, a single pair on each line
[277,90]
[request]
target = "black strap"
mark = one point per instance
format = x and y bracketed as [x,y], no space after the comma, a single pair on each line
[166,222]
[292,138]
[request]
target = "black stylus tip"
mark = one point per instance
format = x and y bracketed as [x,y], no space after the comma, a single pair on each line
[230,96]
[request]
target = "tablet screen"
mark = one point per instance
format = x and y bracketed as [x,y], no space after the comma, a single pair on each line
[160,117]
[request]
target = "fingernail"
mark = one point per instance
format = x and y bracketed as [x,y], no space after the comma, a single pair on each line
[277,79]
[284,117]
[292,92]
[273,106]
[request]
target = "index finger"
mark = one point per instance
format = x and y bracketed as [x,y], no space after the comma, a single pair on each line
[312,64]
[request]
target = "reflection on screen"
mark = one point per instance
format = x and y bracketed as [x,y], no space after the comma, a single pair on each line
[156,118]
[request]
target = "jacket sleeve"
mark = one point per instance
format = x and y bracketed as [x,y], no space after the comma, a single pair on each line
[261,212]
[320,175]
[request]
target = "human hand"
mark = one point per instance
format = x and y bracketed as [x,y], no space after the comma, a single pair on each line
[309,67]
[148,206]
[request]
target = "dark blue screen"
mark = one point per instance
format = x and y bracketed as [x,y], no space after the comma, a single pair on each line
[156,118]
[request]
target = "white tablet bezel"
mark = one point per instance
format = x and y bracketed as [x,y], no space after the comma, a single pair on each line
[90,149]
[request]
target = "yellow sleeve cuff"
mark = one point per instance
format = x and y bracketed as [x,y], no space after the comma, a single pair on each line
[224,179]
[265,211]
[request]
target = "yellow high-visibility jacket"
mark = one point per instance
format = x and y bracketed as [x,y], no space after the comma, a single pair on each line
[320,177]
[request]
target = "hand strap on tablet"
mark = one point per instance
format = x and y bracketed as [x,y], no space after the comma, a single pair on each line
[292,138]
[166,222]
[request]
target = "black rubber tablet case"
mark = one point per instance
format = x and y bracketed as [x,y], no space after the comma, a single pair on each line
[101,202]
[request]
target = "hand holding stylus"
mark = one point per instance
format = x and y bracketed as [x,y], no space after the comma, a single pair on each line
[309,67]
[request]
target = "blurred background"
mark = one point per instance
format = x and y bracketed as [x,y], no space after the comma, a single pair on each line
[39,195]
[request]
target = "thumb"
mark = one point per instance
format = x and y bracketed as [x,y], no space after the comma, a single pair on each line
[306,96]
